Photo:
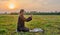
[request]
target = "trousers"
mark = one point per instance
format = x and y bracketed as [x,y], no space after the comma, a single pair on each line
[23,29]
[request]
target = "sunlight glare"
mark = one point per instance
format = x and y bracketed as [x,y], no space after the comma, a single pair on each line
[11,6]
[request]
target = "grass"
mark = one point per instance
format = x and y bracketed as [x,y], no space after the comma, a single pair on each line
[50,23]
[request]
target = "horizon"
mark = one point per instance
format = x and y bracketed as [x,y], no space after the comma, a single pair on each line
[29,5]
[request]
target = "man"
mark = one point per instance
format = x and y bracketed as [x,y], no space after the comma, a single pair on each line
[21,22]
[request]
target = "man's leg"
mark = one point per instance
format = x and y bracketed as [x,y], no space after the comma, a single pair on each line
[26,29]
[19,30]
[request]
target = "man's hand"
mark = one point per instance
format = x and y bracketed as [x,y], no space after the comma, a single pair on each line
[31,15]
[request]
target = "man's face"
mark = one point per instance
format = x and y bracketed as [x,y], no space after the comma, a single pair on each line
[22,13]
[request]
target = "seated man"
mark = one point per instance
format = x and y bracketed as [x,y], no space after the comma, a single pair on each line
[21,22]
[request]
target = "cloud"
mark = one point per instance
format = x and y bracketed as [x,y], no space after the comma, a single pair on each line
[3,0]
[35,4]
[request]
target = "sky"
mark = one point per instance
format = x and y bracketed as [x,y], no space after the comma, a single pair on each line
[29,5]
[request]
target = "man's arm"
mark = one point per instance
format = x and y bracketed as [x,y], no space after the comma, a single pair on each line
[24,19]
[28,19]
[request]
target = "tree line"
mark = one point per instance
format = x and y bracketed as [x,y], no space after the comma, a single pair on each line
[37,13]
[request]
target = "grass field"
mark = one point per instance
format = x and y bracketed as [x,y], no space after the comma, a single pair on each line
[50,23]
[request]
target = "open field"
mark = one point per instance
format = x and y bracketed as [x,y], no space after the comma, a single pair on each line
[50,23]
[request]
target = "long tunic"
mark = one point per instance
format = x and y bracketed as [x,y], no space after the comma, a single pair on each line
[21,23]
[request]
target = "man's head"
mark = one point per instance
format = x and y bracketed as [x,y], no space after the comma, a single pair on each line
[22,12]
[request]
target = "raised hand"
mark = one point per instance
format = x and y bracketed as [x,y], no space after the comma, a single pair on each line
[31,15]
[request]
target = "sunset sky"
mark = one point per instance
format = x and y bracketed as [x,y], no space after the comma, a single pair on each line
[29,5]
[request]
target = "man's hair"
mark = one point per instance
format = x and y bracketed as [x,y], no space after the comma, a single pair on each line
[22,10]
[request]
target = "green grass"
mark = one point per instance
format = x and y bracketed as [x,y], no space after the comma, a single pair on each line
[50,23]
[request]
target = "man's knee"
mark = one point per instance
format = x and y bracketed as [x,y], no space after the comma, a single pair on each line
[26,29]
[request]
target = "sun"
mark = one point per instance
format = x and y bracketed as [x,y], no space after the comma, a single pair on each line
[11,6]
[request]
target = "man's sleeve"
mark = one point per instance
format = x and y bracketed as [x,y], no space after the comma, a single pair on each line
[28,19]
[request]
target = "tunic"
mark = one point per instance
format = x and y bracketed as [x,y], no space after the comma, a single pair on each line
[21,24]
